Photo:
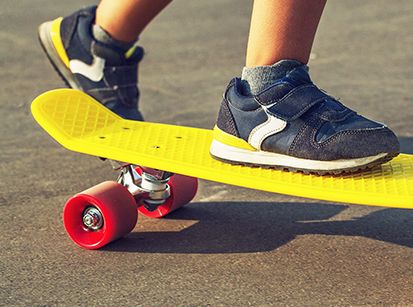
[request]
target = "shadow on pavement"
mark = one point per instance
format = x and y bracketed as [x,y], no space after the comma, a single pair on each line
[246,227]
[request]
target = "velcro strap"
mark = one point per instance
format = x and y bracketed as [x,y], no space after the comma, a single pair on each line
[297,102]
[336,116]
[118,75]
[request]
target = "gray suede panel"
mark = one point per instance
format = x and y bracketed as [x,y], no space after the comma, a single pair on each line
[225,120]
[349,144]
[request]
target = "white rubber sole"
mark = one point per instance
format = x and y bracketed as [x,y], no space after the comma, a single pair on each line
[230,153]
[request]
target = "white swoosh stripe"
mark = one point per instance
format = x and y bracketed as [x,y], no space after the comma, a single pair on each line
[93,72]
[272,126]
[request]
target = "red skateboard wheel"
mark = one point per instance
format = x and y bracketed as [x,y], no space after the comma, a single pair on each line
[100,215]
[183,190]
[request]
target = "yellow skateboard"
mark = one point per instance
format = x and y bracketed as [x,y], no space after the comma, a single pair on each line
[106,212]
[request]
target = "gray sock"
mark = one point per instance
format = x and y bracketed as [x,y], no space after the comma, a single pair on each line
[256,79]
[104,37]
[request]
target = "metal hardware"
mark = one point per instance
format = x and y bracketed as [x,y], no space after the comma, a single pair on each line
[92,218]
[151,187]
[158,174]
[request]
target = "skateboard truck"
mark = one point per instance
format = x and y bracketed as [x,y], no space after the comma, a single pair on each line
[150,187]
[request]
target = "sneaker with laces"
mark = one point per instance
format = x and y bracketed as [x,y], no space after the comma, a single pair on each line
[104,71]
[294,125]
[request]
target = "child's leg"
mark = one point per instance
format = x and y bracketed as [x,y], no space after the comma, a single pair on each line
[94,50]
[275,116]
[282,29]
[125,20]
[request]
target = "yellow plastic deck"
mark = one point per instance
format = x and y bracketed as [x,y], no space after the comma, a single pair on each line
[81,124]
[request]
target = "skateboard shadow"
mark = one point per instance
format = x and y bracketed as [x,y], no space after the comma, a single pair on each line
[246,227]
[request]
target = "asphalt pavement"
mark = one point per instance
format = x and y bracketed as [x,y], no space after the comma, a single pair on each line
[231,246]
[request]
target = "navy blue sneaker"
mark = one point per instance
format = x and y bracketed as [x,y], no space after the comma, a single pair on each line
[105,72]
[293,125]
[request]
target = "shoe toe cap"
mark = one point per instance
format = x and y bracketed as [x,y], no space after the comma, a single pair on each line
[362,143]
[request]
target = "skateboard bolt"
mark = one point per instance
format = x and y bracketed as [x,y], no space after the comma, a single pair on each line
[92,218]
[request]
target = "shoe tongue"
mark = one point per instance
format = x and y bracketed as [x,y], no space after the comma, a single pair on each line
[116,56]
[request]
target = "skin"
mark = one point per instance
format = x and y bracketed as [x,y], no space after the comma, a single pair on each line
[125,20]
[280,29]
